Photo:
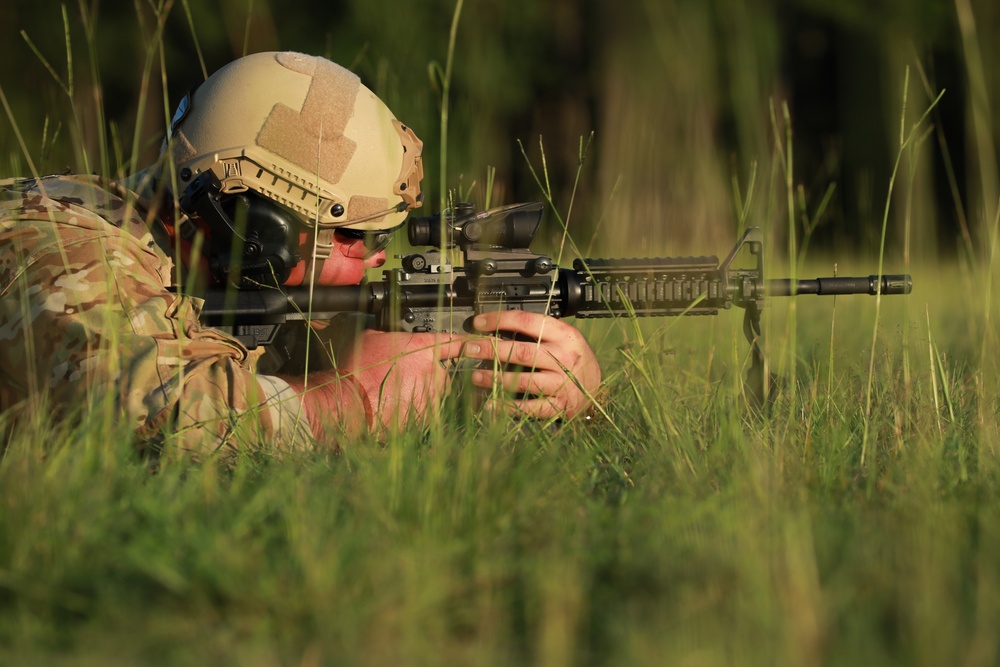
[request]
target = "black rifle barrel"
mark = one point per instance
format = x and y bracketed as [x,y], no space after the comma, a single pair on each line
[339,299]
[227,307]
[885,284]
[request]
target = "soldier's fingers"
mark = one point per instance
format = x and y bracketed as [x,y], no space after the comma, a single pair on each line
[525,354]
[536,383]
[451,349]
[532,325]
[443,345]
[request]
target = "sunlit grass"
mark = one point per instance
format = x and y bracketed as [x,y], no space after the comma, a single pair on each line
[855,522]
[690,529]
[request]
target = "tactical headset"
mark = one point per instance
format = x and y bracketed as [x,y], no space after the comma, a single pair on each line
[254,243]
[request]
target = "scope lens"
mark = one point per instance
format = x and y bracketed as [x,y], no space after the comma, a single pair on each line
[420,231]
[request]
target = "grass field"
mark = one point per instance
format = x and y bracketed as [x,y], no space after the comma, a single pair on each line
[683,531]
[856,522]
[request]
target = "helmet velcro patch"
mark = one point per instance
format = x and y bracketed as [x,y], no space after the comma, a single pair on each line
[313,137]
[360,207]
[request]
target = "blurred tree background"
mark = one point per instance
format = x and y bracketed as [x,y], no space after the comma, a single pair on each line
[686,100]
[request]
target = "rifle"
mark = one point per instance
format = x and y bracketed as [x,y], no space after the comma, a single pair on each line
[430,293]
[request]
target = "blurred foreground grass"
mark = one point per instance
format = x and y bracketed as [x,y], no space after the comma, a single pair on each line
[682,532]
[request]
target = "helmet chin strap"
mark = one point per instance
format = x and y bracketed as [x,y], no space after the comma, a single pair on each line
[323,243]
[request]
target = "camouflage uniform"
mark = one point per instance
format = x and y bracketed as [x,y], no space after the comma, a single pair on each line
[85,318]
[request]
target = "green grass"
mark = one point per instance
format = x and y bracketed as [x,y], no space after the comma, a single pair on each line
[684,531]
[856,522]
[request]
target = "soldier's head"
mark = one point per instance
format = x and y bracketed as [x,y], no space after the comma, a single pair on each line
[283,157]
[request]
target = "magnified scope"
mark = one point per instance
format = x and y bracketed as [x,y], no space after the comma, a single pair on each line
[512,227]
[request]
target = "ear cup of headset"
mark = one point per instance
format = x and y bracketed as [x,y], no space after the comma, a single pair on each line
[263,235]
[266,236]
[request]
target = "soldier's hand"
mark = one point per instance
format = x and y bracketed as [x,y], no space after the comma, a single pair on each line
[550,365]
[401,373]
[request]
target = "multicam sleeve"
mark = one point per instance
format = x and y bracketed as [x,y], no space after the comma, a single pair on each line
[86,319]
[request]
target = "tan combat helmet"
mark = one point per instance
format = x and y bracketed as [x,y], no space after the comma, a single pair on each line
[303,132]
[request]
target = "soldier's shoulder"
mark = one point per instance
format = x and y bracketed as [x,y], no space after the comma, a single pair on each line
[79,200]
[76,204]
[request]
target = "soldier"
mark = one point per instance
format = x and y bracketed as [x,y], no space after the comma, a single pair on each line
[288,158]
